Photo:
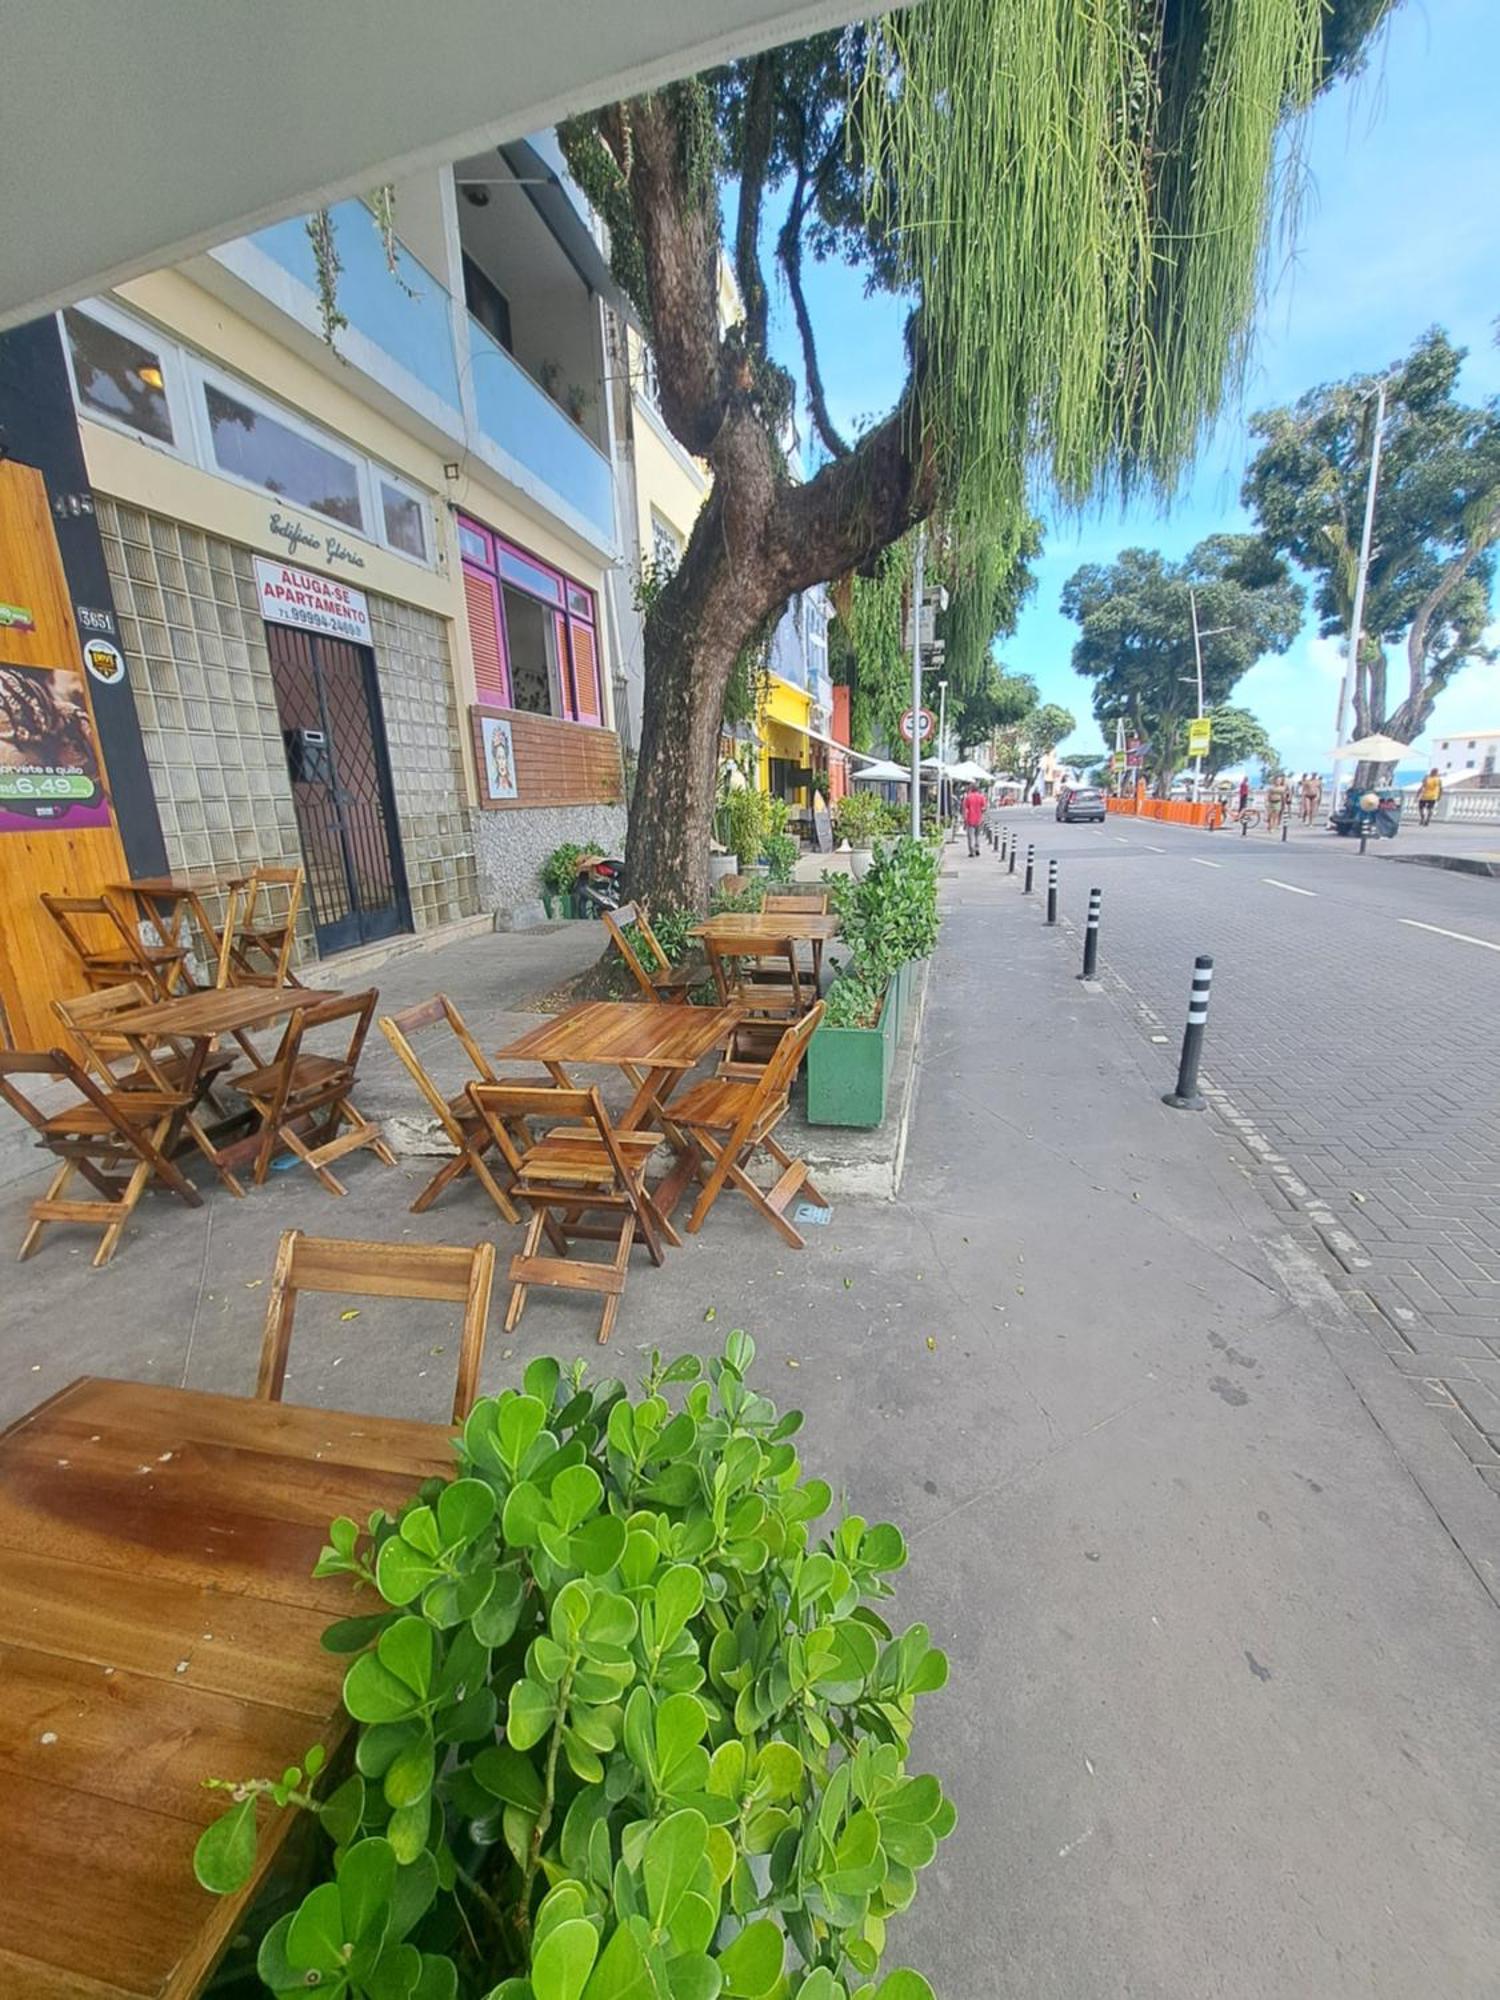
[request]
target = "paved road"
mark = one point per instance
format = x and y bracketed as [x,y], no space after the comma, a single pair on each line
[1356,1022]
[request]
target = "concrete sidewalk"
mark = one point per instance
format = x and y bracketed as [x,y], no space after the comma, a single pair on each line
[1220,1715]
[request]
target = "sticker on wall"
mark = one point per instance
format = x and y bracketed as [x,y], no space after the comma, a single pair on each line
[16,618]
[49,766]
[499,757]
[104,661]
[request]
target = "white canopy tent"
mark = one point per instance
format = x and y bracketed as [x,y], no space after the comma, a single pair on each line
[883,772]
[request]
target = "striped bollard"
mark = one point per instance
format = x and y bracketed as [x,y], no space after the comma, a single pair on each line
[1187,1097]
[1030,867]
[1014,844]
[1052,892]
[1091,936]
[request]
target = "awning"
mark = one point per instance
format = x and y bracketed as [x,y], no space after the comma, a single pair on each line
[552,202]
[883,772]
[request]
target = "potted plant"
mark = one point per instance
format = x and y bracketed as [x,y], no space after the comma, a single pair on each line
[858,817]
[747,817]
[559,874]
[627,1725]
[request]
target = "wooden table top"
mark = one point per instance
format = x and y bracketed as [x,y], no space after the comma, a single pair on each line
[191,882]
[161,1626]
[218,1010]
[769,927]
[620,1031]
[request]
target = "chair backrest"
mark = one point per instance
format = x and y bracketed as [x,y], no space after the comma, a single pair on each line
[439,1271]
[89,1018]
[781,1070]
[39,1063]
[72,913]
[356,1008]
[260,921]
[505,1108]
[789,903]
[398,1030]
[617,922]
[726,960]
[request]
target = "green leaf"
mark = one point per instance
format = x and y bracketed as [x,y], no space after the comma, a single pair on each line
[694,1976]
[576,1492]
[681,1765]
[372,1693]
[597,1546]
[352,1635]
[438,1979]
[271,1962]
[820,1984]
[408,1827]
[342,1811]
[419,1527]
[497,1617]
[525,1511]
[778,1771]
[507,1775]
[224,1858]
[674,1850]
[686,1368]
[410,1775]
[563,1962]
[883,1547]
[315,1942]
[739,1351]
[559,1906]
[611,1620]
[367,1881]
[541,1379]
[751,1965]
[465,1509]
[401,1572]
[530,1715]
[518,1424]
[583,1761]
[726,1770]
[416,1885]
[679,1597]
[903,1985]
[917,1800]
[570,1610]
[622,1972]
[405,1649]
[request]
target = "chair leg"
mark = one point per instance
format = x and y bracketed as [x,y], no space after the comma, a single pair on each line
[784,1159]
[517,1304]
[210,1153]
[55,1187]
[329,1180]
[491,1186]
[446,1175]
[134,1188]
[621,1263]
[713,1186]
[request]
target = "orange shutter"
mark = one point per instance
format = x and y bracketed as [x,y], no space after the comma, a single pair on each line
[586,672]
[485,639]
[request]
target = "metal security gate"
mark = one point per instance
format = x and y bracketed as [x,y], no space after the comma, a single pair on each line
[331,723]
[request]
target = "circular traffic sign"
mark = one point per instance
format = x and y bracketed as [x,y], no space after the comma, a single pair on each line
[918,722]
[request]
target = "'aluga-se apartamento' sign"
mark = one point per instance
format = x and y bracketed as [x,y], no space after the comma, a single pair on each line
[290,596]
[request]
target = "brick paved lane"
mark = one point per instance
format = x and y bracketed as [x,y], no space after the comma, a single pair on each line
[1356,1023]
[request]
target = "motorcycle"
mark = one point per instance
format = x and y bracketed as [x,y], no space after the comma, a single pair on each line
[598,884]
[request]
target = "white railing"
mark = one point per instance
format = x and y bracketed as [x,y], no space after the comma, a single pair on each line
[1483,805]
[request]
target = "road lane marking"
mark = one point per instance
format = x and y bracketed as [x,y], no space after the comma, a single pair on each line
[1154,850]
[1205,864]
[1290,887]
[1122,840]
[1438,931]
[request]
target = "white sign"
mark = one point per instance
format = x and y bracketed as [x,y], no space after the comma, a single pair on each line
[291,596]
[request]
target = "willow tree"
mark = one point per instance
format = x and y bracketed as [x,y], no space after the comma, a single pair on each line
[1074,197]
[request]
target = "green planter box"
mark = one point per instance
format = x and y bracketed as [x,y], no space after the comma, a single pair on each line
[848,1069]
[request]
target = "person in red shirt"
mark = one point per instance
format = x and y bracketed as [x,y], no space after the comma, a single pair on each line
[975,806]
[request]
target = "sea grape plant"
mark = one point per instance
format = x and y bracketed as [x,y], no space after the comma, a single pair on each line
[627,1729]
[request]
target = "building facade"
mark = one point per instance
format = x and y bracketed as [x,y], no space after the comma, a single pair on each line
[363,588]
[1467,760]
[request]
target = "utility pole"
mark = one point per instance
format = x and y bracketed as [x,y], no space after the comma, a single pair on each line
[1356,622]
[942,755]
[918,584]
[1198,673]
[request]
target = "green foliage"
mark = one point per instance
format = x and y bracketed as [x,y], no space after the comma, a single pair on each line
[747,813]
[780,852]
[859,816]
[1000,701]
[1432,562]
[738,902]
[627,1728]
[1019,747]
[890,916]
[1136,636]
[881,684]
[1238,738]
[559,871]
[853,1002]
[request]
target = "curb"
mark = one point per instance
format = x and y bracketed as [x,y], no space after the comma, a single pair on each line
[1457,864]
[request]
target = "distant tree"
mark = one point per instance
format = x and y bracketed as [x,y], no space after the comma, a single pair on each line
[1020,748]
[1437,522]
[1239,738]
[1000,701]
[1136,634]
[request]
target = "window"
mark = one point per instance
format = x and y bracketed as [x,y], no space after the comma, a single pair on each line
[118,376]
[250,444]
[531,631]
[666,545]
[649,384]
[404,519]
[531,642]
[487,303]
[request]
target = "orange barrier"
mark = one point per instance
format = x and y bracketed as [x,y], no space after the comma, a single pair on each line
[1178,812]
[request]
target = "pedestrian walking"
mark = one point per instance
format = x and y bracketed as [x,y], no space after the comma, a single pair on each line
[1428,796]
[1278,793]
[1244,793]
[1305,798]
[974,807]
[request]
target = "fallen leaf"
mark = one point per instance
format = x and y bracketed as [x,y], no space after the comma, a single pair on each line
[931,1345]
[1356,1197]
[352,1313]
[848,1284]
[251,1283]
[434,1350]
[711,1314]
[1022,1290]
[794,1364]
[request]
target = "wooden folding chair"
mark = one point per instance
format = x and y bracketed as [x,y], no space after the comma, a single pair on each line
[296,1085]
[106,1132]
[260,929]
[463,1125]
[779,904]
[735,969]
[670,983]
[575,1169]
[164,1065]
[109,948]
[438,1271]
[733,1120]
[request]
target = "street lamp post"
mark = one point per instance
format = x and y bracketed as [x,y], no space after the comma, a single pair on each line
[942,755]
[1361,574]
[1197,676]
[918,581]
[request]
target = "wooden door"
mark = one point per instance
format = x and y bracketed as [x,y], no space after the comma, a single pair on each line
[54,834]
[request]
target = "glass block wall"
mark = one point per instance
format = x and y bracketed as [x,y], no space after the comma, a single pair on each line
[192,634]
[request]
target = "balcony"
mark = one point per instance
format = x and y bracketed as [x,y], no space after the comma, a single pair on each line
[406,338]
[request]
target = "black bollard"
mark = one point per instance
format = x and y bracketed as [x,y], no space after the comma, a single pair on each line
[1030,867]
[1283,830]
[1187,1097]
[1091,935]
[1014,843]
[1052,892]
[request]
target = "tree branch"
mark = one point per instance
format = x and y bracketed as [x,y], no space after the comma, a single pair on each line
[760,109]
[856,506]
[1437,597]
[789,251]
[679,234]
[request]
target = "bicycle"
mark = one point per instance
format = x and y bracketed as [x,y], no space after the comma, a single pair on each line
[1247,818]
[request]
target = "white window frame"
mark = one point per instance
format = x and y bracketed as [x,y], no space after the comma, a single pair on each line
[175,385]
[382,475]
[205,374]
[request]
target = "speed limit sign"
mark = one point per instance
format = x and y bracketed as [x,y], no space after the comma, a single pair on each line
[918,722]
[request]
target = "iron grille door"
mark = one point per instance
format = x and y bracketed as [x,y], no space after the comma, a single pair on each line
[331,722]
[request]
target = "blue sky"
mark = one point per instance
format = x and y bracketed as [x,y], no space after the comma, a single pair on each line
[1400,229]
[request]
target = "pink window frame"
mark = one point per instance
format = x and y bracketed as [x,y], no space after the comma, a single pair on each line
[563,614]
